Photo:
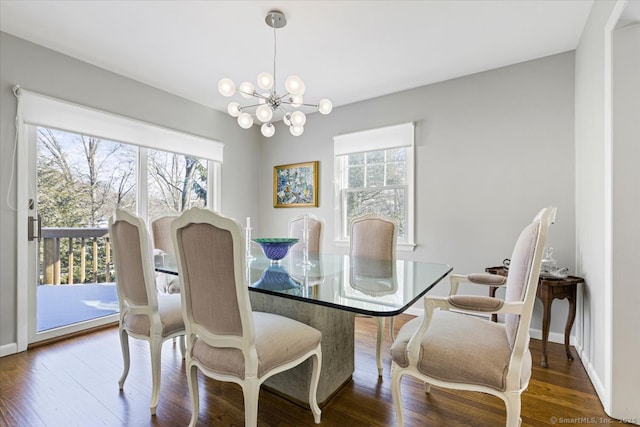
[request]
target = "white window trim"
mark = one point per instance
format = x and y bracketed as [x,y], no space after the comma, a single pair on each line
[396,136]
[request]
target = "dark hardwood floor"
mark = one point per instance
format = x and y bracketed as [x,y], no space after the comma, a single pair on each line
[75,383]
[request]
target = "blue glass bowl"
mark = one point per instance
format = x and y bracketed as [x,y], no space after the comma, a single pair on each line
[275,248]
[275,278]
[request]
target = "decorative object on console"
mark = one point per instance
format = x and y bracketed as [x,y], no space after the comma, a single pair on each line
[270,102]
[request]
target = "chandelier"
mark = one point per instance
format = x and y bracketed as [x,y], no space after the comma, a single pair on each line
[270,103]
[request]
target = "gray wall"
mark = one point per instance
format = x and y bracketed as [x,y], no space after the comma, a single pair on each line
[42,70]
[491,150]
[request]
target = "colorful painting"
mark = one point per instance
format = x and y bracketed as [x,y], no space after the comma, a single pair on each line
[295,185]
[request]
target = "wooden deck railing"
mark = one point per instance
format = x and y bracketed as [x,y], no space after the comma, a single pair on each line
[55,265]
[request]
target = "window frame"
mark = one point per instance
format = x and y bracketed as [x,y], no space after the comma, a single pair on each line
[397,136]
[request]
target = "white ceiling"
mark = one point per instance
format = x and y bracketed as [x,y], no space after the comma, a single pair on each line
[346,51]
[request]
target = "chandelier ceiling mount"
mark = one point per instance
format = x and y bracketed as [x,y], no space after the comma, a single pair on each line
[270,102]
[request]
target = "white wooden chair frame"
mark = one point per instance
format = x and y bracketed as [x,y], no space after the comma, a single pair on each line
[246,343]
[155,337]
[380,321]
[514,388]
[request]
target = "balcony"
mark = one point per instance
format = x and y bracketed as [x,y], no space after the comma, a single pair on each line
[75,280]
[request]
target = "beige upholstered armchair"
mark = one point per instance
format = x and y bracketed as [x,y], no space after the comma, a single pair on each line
[448,348]
[374,237]
[226,340]
[144,314]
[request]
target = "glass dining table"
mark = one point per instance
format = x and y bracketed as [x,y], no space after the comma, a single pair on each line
[327,292]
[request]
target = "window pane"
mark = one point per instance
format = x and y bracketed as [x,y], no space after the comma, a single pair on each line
[356,177]
[177,182]
[389,203]
[396,173]
[83,179]
[375,175]
[396,154]
[355,159]
[375,157]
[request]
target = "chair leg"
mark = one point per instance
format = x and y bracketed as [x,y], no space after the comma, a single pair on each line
[156,362]
[251,392]
[316,361]
[513,406]
[192,382]
[380,322]
[183,349]
[392,332]
[396,395]
[124,345]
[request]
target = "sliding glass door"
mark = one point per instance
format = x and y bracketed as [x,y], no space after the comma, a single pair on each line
[79,181]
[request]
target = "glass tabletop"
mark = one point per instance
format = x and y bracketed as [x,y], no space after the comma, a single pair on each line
[361,285]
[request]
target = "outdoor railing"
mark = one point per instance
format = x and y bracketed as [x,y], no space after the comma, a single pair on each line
[60,249]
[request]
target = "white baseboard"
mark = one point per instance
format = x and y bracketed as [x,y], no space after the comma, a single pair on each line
[593,376]
[8,349]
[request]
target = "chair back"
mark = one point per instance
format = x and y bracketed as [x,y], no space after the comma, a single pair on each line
[375,277]
[133,264]
[373,236]
[296,229]
[161,232]
[522,284]
[211,264]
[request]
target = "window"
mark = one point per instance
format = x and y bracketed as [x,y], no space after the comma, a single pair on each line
[374,175]
[176,182]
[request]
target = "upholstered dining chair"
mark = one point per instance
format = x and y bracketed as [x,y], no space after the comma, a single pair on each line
[226,340]
[162,243]
[144,314]
[373,236]
[454,350]
[161,232]
[315,226]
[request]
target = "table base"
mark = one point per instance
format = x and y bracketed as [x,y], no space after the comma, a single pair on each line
[337,328]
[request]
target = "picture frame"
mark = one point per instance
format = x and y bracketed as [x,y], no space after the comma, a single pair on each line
[295,185]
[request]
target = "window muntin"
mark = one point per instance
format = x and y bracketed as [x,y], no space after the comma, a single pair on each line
[375,182]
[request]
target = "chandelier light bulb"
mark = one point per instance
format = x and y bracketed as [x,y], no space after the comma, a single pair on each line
[325,106]
[296,130]
[287,119]
[298,118]
[265,80]
[294,85]
[264,113]
[296,100]
[226,87]
[246,89]
[268,129]
[245,121]
[233,109]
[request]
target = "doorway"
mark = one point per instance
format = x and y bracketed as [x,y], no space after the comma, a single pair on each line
[80,180]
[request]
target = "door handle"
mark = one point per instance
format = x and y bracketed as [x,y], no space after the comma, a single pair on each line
[37,220]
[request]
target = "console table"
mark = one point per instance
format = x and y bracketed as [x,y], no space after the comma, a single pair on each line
[550,288]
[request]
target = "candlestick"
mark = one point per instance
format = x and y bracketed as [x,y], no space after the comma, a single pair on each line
[247,238]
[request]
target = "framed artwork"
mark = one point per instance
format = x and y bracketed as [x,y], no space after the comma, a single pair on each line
[295,185]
